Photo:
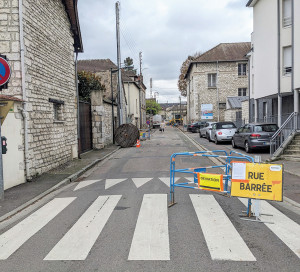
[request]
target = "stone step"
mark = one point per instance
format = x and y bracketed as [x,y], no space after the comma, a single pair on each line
[291,157]
[291,152]
[293,147]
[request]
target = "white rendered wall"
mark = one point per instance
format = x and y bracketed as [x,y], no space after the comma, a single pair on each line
[13,160]
[297,44]
[265,48]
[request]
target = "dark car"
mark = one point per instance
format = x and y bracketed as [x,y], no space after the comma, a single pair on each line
[195,127]
[254,136]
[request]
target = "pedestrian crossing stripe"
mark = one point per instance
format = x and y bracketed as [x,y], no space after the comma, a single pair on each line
[137,181]
[15,237]
[151,234]
[79,240]
[85,183]
[283,227]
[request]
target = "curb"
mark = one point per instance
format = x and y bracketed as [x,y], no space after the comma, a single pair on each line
[64,182]
[285,199]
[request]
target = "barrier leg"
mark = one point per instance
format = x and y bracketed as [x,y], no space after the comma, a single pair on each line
[172,187]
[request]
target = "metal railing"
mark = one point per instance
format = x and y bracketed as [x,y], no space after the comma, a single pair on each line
[290,126]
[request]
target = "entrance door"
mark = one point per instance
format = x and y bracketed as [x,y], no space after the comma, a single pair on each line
[85,126]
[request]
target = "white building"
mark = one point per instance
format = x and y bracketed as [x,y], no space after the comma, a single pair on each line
[274,60]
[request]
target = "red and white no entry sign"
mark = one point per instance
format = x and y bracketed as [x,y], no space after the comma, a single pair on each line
[5,71]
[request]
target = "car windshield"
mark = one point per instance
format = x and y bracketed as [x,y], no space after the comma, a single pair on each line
[224,126]
[265,128]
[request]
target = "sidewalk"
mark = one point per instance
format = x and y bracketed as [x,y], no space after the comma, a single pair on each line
[23,195]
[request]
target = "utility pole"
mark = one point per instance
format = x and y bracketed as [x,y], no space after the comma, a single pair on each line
[151,87]
[140,58]
[120,94]
[180,110]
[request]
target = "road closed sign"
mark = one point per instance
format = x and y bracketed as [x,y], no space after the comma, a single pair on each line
[4,71]
[257,181]
[210,182]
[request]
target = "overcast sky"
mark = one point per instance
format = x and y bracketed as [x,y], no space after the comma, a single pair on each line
[165,31]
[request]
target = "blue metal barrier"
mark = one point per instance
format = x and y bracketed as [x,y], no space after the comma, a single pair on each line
[233,156]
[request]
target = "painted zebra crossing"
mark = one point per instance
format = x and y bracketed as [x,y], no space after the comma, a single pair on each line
[150,240]
[138,182]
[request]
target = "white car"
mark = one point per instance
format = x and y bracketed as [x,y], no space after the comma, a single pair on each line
[222,132]
[205,131]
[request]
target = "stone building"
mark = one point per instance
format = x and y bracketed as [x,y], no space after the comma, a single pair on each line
[103,103]
[39,39]
[212,77]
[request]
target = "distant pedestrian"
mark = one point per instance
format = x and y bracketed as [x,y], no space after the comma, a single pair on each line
[162,126]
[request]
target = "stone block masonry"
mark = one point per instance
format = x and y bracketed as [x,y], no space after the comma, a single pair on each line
[49,74]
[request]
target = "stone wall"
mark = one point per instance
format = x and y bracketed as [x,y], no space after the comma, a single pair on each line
[102,120]
[228,83]
[245,111]
[49,74]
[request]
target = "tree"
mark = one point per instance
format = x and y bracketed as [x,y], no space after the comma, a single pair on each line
[152,107]
[182,83]
[88,82]
[128,62]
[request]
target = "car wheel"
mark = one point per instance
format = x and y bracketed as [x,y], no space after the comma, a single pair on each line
[197,130]
[233,143]
[208,138]
[247,148]
[216,140]
[200,135]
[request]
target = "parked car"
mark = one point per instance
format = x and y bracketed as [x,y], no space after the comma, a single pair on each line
[254,136]
[204,131]
[195,127]
[222,132]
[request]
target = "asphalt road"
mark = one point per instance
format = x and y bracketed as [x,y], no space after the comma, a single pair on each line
[117,219]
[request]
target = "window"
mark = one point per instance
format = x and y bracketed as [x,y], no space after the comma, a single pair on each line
[287,60]
[242,69]
[212,80]
[242,91]
[57,109]
[264,110]
[287,12]
[222,105]
[265,128]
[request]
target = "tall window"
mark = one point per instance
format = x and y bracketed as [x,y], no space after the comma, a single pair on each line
[287,12]
[212,80]
[242,69]
[287,60]
[242,91]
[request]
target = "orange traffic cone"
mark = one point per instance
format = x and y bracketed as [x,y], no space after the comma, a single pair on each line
[138,143]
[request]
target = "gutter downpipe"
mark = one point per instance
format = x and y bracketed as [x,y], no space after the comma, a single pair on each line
[218,104]
[24,92]
[296,92]
[78,110]
[278,65]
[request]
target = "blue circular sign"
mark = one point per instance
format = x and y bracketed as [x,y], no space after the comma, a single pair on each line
[5,71]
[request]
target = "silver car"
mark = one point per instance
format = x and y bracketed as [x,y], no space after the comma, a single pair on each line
[222,132]
[205,131]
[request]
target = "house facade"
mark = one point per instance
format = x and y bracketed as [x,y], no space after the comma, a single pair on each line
[212,77]
[39,39]
[135,93]
[274,60]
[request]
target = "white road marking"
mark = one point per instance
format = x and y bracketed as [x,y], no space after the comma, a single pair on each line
[15,237]
[112,182]
[286,229]
[78,241]
[140,181]
[167,181]
[85,183]
[151,236]
[223,240]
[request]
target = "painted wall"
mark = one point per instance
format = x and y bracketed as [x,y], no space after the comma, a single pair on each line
[264,39]
[297,44]
[13,160]
[133,102]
